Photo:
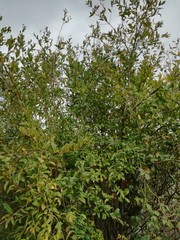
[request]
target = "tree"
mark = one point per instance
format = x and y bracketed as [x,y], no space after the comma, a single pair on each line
[89,134]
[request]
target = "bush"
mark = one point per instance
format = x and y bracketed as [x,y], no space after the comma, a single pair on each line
[89,134]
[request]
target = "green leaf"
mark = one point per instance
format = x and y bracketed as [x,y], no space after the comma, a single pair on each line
[145,237]
[8,208]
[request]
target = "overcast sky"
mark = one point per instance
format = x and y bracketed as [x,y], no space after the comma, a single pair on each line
[37,14]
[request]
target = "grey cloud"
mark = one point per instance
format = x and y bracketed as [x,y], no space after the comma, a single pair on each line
[36,14]
[171,18]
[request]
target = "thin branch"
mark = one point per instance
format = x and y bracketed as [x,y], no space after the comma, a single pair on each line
[152,93]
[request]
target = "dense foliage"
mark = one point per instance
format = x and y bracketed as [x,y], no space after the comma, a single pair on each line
[89,133]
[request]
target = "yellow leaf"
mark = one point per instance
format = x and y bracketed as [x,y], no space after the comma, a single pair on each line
[157,154]
[41,160]
[139,117]
[70,217]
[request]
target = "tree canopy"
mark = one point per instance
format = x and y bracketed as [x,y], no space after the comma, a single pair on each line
[89,133]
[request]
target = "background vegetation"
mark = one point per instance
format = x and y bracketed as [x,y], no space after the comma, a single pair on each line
[89,134]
